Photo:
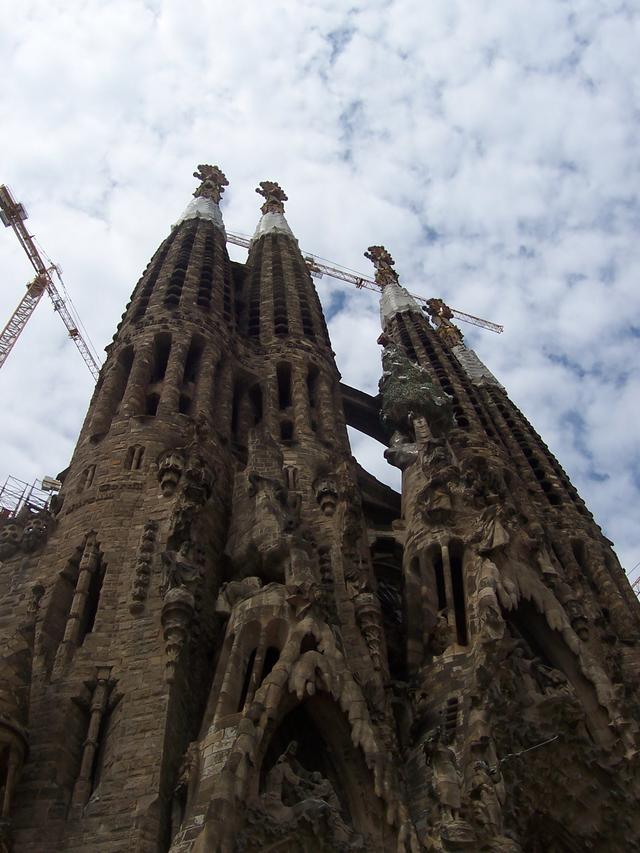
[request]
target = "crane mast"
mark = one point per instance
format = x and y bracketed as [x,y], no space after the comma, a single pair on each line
[13,214]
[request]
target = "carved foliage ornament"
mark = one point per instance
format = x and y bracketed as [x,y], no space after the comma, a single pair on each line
[213,182]
[384,263]
[274,197]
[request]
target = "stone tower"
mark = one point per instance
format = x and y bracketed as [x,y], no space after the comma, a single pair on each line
[224,635]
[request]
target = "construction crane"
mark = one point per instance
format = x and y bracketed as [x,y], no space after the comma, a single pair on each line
[13,214]
[318,267]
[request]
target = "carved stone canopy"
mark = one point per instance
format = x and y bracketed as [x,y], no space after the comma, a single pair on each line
[274,197]
[384,263]
[213,182]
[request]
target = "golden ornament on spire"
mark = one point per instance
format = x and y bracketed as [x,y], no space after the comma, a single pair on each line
[213,182]
[441,316]
[275,197]
[383,262]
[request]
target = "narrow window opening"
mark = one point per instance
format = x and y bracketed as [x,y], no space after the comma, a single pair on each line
[270,660]
[438,572]
[91,604]
[312,385]
[193,360]
[161,349]
[151,404]
[128,462]
[308,644]
[125,362]
[283,372]
[286,430]
[255,398]
[457,588]
[579,553]
[247,680]
[134,457]
[138,456]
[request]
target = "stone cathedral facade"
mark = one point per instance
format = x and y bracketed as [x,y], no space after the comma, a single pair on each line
[224,635]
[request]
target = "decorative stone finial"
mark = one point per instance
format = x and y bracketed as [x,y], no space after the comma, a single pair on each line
[213,182]
[275,197]
[383,262]
[441,316]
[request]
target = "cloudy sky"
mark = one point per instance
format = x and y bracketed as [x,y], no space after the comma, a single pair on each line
[491,145]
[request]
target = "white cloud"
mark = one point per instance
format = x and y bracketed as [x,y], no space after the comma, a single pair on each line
[508,130]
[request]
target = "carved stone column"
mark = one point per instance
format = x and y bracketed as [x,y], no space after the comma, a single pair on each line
[172,385]
[88,565]
[82,788]
[133,402]
[325,406]
[204,402]
[107,397]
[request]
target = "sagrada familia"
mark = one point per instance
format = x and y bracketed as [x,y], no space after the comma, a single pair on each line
[224,635]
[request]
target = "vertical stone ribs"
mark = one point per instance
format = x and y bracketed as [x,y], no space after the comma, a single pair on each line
[280,319]
[173,292]
[205,285]
[152,274]
[253,314]
[305,308]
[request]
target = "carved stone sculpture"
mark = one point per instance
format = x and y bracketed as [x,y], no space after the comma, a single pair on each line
[10,540]
[170,468]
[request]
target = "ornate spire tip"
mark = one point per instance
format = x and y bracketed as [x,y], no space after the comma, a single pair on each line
[274,197]
[213,182]
[384,263]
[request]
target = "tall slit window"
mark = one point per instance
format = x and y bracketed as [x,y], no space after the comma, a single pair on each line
[280,321]
[161,349]
[193,360]
[283,372]
[457,589]
[438,576]
[255,398]
[247,680]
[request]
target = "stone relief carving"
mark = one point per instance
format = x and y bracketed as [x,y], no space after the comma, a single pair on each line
[177,614]
[294,796]
[170,468]
[25,533]
[326,491]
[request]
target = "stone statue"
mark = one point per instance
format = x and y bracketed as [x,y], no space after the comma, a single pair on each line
[446,777]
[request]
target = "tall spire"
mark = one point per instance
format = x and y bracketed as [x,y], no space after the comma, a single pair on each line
[205,204]
[394,298]
[272,210]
